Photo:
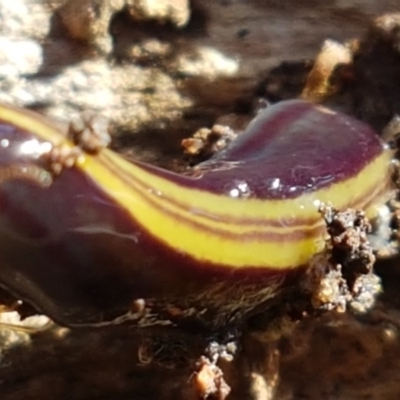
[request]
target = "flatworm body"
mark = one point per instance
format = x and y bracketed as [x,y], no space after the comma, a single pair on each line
[108,241]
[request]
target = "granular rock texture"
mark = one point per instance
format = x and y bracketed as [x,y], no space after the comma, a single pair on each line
[160,71]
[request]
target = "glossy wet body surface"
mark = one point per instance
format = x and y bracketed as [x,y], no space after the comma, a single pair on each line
[108,241]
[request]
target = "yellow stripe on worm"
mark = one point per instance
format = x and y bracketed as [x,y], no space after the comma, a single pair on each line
[232,232]
[213,244]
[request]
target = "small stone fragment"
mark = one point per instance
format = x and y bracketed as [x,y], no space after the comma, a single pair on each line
[209,381]
[90,132]
[206,142]
[89,20]
[342,275]
[60,158]
[319,83]
[175,11]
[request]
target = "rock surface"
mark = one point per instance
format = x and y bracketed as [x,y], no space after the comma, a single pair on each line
[160,74]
